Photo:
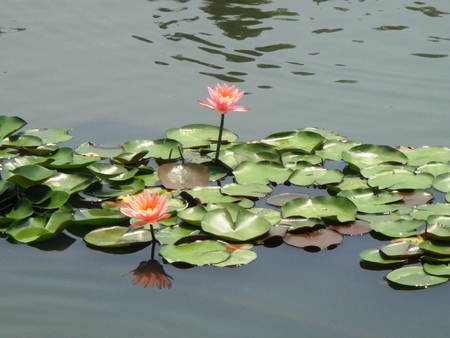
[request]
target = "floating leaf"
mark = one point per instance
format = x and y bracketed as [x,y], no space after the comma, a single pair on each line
[106,170]
[183,176]
[374,256]
[10,124]
[163,148]
[34,229]
[306,141]
[307,175]
[118,236]
[315,241]
[332,149]
[238,257]
[352,229]
[335,208]
[436,247]
[199,135]
[369,201]
[397,228]
[242,227]
[401,250]
[442,270]
[262,172]
[98,217]
[196,253]
[55,135]
[364,155]
[400,179]
[249,190]
[29,175]
[281,199]
[414,276]
[423,155]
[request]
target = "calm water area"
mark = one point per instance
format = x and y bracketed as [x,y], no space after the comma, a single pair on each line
[374,71]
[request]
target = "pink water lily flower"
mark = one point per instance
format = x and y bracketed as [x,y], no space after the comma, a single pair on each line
[223,98]
[149,208]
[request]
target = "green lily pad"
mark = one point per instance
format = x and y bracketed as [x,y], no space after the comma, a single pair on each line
[199,135]
[243,226]
[211,195]
[427,210]
[439,231]
[183,176]
[372,170]
[302,225]
[196,253]
[374,256]
[30,175]
[55,135]
[401,250]
[98,217]
[291,158]
[434,169]
[442,182]
[335,208]
[369,201]
[118,236]
[321,239]
[254,152]
[442,270]
[238,257]
[400,179]
[414,276]
[436,247]
[163,148]
[332,149]
[34,229]
[305,141]
[109,189]
[20,210]
[397,228]
[423,155]
[356,228]
[365,155]
[98,150]
[10,124]
[24,141]
[70,183]
[281,199]
[262,172]
[106,170]
[249,190]
[308,175]
[193,215]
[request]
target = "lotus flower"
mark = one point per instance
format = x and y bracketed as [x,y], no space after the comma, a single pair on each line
[150,273]
[223,98]
[149,208]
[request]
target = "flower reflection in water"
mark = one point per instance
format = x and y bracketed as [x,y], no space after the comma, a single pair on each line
[151,273]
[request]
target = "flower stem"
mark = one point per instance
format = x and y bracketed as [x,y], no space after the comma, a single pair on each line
[219,140]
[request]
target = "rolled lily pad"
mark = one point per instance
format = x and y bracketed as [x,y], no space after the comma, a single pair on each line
[196,253]
[365,155]
[183,176]
[335,208]
[315,241]
[20,210]
[414,276]
[118,236]
[243,227]
[374,256]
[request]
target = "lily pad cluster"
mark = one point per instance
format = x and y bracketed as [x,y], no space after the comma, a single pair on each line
[308,188]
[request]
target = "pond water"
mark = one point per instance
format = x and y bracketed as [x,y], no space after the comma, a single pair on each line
[375,71]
